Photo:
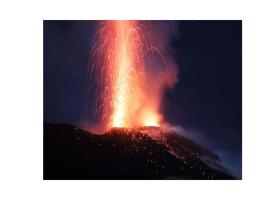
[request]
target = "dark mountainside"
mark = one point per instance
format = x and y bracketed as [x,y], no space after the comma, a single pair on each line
[72,153]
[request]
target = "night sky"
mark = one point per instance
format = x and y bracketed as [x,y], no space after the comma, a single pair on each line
[206,101]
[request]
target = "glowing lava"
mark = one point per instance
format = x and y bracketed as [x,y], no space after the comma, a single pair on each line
[124,81]
[128,89]
[129,78]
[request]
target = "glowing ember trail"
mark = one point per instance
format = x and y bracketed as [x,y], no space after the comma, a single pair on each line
[128,88]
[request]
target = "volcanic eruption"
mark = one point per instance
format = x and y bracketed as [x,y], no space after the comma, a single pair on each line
[129,70]
[131,73]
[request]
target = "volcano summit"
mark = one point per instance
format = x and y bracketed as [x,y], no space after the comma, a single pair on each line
[123,153]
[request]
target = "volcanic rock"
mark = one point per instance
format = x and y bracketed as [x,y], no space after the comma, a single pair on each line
[123,153]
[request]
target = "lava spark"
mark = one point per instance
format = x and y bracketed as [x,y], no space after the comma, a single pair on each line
[130,74]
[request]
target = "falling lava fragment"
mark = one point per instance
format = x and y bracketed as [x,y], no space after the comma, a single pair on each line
[124,153]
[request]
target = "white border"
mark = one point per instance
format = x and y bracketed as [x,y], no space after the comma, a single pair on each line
[21,99]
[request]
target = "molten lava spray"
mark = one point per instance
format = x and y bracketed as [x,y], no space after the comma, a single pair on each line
[130,72]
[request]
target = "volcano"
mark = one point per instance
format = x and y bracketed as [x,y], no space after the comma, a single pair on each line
[71,153]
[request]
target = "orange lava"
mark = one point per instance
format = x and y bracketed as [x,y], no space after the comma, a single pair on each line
[131,104]
[128,92]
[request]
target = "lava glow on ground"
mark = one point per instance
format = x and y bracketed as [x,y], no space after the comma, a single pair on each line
[126,153]
[129,86]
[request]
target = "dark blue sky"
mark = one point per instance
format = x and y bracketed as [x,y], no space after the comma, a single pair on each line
[207,100]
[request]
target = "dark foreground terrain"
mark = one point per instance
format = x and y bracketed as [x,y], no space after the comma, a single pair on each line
[144,153]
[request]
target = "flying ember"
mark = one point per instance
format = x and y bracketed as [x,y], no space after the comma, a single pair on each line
[130,73]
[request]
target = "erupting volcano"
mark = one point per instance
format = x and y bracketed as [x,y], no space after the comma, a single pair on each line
[128,72]
[131,73]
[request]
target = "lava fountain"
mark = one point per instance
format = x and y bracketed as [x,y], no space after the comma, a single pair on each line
[129,72]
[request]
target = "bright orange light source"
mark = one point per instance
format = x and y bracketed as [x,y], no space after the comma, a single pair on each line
[130,92]
[151,122]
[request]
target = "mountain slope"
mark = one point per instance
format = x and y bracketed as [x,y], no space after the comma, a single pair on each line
[144,153]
